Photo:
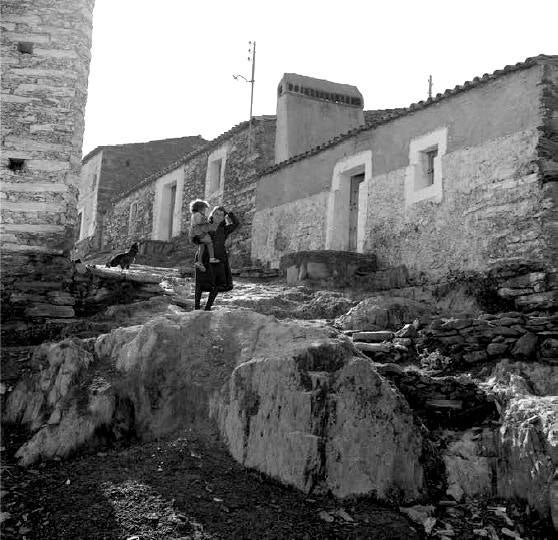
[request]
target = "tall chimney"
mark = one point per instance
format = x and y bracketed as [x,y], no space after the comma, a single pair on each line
[311,111]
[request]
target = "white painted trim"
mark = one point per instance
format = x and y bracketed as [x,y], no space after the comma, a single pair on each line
[81,231]
[219,154]
[337,232]
[176,176]
[433,192]
[130,213]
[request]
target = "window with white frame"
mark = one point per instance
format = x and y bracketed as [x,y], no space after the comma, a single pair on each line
[423,179]
[133,216]
[215,176]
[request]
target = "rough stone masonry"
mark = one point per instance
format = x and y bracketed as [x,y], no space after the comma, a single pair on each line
[45,50]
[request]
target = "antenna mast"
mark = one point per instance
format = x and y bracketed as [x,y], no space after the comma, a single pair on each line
[430,86]
[251,51]
[251,58]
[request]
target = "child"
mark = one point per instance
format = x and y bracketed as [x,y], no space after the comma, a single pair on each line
[199,229]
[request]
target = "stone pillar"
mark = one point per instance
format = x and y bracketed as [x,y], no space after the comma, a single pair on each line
[45,67]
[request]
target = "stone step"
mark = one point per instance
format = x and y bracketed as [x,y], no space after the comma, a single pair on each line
[444,403]
[374,337]
[374,347]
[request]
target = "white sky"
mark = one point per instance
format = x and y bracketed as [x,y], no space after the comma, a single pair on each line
[163,68]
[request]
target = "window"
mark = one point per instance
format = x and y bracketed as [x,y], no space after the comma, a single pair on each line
[133,212]
[215,176]
[423,178]
[428,160]
[25,47]
[16,165]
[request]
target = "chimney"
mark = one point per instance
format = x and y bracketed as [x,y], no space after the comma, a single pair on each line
[311,111]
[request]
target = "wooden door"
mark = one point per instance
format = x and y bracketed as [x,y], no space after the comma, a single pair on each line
[354,188]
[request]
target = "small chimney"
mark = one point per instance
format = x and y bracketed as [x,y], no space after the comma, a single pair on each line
[311,111]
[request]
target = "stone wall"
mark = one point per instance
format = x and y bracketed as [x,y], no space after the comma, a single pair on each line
[490,209]
[45,65]
[242,164]
[116,223]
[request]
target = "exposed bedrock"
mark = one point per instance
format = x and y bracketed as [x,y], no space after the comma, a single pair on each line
[293,400]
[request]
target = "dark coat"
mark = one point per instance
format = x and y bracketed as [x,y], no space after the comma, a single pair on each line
[217,275]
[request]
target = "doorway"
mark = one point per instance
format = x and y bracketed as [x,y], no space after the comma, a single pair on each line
[168,201]
[348,203]
[354,197]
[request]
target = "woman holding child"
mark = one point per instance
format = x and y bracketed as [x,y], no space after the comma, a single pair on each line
[212,270]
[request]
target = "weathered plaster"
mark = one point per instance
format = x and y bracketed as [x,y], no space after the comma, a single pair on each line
[88,190]
[294,226]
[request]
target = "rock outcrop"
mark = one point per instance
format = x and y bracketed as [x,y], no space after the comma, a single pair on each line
[517,458]
[293,400]
[379,313]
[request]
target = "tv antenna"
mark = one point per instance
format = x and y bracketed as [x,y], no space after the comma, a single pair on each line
[252,59]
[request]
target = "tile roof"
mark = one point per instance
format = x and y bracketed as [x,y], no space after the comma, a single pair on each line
[371,117]
[398,113]
[188,156]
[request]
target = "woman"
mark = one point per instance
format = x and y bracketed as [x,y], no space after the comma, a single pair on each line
[217,277]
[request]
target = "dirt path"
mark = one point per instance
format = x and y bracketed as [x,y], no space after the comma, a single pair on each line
[187,488]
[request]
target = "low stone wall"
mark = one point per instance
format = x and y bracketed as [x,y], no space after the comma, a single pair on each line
[492,337]
[40,310]
[326,266]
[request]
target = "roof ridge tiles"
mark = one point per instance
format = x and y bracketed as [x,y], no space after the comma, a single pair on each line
[199,150]
[476,81]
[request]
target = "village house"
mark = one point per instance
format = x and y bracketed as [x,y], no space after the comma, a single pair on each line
[460,182]
[108,170]
[155,210]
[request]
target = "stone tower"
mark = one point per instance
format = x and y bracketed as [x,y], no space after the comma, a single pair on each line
[45,67]
[311,111]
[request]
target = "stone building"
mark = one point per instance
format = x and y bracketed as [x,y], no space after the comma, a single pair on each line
[155,210]
[108,170]
[462,181]
[45,50]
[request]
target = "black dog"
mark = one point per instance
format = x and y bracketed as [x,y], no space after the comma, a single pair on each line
[124,260]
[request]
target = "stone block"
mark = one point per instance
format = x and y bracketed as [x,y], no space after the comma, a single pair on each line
[61,298]
[496,349]
[457,324]
[549,348]
[374,347]
[374,337]
[405,342]
[475,356]
[538,300]
[317,270]
[408,331]
[49,310]
[525,346]
[504,331]
[292,275]
[509,321]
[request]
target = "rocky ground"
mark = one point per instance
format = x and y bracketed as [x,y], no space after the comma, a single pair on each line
[188,486]
[184,487]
